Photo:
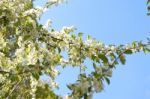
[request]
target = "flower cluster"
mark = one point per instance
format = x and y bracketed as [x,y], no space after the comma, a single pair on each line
[29,50]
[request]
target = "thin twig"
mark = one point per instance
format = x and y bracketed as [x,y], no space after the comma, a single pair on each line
[116,59]
[14,87]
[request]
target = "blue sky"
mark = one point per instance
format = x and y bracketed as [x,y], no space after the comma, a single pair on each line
[111,22]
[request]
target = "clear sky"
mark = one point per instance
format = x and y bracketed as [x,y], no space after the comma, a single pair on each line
[111,22]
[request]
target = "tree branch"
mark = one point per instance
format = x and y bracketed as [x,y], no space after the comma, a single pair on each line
[14,87]
[116,59]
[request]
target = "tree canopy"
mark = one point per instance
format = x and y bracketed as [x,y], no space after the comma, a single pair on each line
[29,50]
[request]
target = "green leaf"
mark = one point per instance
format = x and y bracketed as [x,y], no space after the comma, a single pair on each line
[73,36]
[93,57]
[148,8]
[71,86]
[148,1]
[80,34]
[107,72]
[128,51]
[52,30]
[148,14]
[107,80]
[94,65]
[14,78]
[36,75]
[89,37]
[122,59]
[31,66]
[59,50]
[103,58]
[145,49]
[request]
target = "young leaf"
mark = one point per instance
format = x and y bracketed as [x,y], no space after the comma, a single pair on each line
[128,51]
[59,50]
[94,65]
[146,50]
[148,8]
[107,80]
[122,59]
[80,34]
[36,75]
[103,58]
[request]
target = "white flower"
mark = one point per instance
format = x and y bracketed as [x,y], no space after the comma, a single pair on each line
[112,48]
[21,6]
[88,42]
[37,10]
[20,39]
[43,9]
[134,50]
[66,97]
[67,30]
[56,1]
[1,2]
[33,85]
[48,24]
[19,51]
[32,57]
[28,12]
[2,78]
[54,84]
[55,72]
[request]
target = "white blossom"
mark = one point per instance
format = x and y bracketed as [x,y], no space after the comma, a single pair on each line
[66,97]
[37,10]
[56,1]
[68,29]
[88,42]
[33,85]
[48,24]
[112,48]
